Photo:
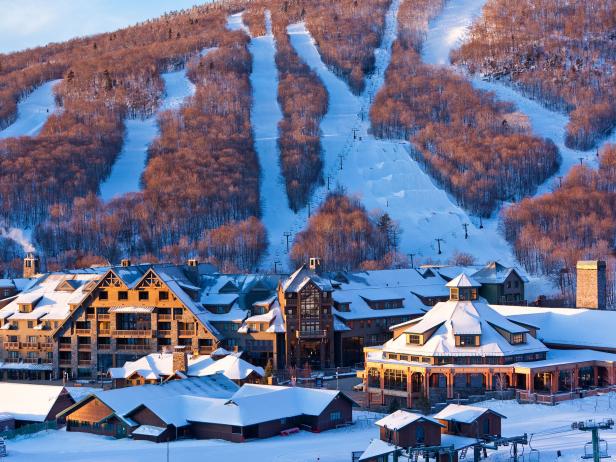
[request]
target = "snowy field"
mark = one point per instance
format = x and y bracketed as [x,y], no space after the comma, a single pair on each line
[31,23]
[550,427]
[32,112]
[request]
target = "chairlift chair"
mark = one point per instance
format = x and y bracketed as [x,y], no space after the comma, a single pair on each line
[588,453]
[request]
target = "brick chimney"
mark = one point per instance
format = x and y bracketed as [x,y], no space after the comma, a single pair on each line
[180,359]
[32,266]
[591,285]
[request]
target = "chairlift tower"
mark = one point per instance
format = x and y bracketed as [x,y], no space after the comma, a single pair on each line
[599,446]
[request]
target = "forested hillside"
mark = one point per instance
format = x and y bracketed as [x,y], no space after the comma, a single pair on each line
[563,53]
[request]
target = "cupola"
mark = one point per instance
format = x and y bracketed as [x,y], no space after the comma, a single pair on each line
[463,288]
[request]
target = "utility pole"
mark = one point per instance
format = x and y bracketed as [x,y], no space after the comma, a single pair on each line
[465,225]
[438,241]
[276,263]
[581,159]
[480,222]
[411,255]
[328,179]
[560,181]
[340,157]
[287,234]
[355,130]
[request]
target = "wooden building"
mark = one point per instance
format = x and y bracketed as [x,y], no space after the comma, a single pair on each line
[470,421]
[26,404]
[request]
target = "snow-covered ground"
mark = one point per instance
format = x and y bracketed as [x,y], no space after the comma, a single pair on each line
[383,173]
[549,426]
[32,112]
[126,172]
[265,114]
[449,30]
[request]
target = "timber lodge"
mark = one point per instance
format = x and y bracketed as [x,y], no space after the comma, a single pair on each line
[457,331]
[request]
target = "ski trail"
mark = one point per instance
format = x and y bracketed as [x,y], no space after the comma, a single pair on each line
[382,172]
[126,172]
[447,32]
[32,112]
[265,114]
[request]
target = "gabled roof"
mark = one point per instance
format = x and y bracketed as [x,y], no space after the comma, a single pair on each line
[401,419]
[29,402]
[462,280]
[464,414]
[495,273]
[233,367]
[301,277]
[156,366]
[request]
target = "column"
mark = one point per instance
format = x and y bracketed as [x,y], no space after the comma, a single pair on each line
[409,388]
[595,376]
[449,379]
[427,383]
[382,378]
[554,381]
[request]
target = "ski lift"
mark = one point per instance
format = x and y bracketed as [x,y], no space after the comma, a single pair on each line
[534,455]
[520,455]
[588,453]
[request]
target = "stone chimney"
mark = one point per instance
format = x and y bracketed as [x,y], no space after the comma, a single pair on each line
[314,264]
[591,285]
[180,359]
[125,262]
[32,266]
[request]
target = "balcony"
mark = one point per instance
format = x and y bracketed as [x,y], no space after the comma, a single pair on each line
[164,333]
[104,346]
[11,345]
[145,347]
[132,333]
[64,363]
[84,362]
[104,332]
[205,350]
[46,346]
[186,333]
[103,316]
[164,317]
[64,347]
[83,331]
[12,360]
[84,346]
[306,334]
[30,345]
[32,360]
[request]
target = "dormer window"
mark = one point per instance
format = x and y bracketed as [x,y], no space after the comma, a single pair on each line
[517,339]
[25,307]
[463,293]
[414,339]
[467,340]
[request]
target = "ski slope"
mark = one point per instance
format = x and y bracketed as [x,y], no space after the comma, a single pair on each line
[126,173]
[448,31]
[264,117]
[32,112]
[382,172]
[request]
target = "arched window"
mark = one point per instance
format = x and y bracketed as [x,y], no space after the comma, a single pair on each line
[420,434]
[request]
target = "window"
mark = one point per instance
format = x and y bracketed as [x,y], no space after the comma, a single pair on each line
[335,416]
[143,295]
[123,295]
[516,339]
[467,340]
[374,378]
[30,324]
[163,295]
[395,379]
[420,434]
[103,295]
[236,430]
[414,339]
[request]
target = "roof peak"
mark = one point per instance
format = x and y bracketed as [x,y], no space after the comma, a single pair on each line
[463,280]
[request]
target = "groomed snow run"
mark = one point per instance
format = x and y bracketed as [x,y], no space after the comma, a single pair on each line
[549,426]
[32,112]
[382,172]
[126,172]
[449,30]
[265,115]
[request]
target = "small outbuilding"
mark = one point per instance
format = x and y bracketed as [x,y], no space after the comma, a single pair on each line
[28,404]
[470,421]
[408,429]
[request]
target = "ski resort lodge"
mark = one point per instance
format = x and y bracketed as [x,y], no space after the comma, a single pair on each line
[464,347]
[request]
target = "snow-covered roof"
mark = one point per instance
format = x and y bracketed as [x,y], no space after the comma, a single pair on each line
[462,413]
[219,299]
[29,402]
[296,281]
[273,317]
[401,419]
[567,326]
[49,302]
[377,448]
[495,273]
[156,366]
[253,404]
[148,430]
[462,280]
[233,367]
[452,318]
[564,357]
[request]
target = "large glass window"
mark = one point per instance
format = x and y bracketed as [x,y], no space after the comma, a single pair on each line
[395,379]
[374,378]
[310,307]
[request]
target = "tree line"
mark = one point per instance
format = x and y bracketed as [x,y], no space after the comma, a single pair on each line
[562,53]
[477,148]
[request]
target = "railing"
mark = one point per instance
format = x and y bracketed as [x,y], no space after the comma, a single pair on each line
[103,316]
[83,331]
[11,345]
[46,345]
[64,346]
[30,345]
[205,350]
[84,346]
[104,346]
[104,332]
[145,347]
[84,362]
[163,333]
[65,363]
[29,429]
[31,360]
[311,333]
[132,333]
[12,360]
[186,333]
[164,317]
